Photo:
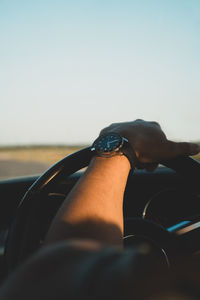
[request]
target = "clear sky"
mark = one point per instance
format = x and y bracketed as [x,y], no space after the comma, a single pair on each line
[68,68]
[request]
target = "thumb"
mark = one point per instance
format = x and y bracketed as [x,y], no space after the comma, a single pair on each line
[184,149]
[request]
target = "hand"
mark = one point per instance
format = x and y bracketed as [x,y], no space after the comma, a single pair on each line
[150,143]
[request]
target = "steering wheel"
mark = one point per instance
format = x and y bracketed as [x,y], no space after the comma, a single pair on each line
[22,242]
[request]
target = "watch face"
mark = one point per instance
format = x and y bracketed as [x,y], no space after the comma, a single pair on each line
[108,143]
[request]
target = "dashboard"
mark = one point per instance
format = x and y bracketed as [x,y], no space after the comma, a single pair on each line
[162,196]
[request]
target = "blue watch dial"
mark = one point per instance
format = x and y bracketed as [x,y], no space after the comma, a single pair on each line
[108,143]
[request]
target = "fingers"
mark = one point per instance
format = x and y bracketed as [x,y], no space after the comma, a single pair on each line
[183,149]
[156,123]
[150,142]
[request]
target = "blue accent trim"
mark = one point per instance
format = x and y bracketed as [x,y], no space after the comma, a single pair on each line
[177,226]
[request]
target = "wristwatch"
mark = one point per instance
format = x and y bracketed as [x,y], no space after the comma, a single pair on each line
[111,144]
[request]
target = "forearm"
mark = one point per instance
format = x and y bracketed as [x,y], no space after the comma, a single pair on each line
[94,208]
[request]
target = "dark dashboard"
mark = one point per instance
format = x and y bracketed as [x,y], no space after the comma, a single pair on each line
[166,192]
[162,196]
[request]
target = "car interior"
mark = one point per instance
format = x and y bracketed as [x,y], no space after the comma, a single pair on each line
[162,206]
[68,70]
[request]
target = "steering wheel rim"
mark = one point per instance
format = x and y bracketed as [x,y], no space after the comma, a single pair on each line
[17,248]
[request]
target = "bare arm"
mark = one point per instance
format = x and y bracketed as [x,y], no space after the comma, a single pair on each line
[93,210]
[94,207]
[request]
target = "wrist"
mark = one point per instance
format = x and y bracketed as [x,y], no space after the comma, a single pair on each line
[113,144]
[115,163]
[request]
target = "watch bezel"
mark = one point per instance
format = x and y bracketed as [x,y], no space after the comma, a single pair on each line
[114,151]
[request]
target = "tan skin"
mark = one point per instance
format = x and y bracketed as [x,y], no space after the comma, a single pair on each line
[91,216]
[99,193]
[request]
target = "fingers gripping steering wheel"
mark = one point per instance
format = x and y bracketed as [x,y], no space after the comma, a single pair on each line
[21,241]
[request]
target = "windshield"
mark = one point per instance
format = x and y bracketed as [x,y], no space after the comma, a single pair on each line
[70,68]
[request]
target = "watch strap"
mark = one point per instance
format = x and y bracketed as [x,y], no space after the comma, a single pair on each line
[129,152]
[125,149]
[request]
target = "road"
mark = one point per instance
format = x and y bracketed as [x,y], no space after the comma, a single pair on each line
[14,168]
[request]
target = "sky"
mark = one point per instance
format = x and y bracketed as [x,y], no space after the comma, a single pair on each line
[70,68]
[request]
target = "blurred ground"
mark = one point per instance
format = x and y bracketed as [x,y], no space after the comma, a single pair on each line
[23,161]
[14,168]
